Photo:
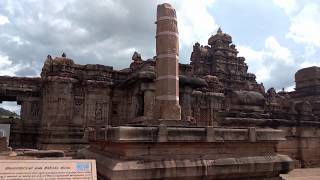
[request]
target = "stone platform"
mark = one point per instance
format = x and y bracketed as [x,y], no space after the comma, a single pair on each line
[160,152]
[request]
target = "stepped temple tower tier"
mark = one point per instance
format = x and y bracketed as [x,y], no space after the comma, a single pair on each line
[219,58]
[167,47]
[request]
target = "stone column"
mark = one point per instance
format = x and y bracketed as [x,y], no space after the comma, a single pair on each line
[167,47]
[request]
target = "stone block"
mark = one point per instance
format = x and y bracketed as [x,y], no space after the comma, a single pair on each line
[3,144]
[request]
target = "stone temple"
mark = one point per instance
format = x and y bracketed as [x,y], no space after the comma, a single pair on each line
[159,119]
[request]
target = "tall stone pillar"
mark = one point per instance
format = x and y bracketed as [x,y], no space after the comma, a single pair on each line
[167,47]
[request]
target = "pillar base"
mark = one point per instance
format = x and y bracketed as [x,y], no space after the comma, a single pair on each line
[168,110]
[257,167]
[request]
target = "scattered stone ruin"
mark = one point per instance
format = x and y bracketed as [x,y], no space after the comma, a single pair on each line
[162,119]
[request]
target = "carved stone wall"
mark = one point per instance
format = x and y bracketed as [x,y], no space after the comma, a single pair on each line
[97,106]
[3,144]
[205,107]
[57,103]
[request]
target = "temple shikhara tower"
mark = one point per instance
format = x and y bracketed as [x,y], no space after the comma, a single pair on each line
[160,119]
[219,58]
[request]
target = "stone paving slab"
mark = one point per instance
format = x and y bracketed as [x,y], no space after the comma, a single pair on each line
[303,174]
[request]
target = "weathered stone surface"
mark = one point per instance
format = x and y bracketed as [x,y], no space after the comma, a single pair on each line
[167,82]
[42,153]
[3,144]
[185,134]
[162,152]
[255,167]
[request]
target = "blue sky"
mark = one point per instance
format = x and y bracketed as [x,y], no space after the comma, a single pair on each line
[277,37]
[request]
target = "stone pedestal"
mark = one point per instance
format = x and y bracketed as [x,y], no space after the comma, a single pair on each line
[161,152]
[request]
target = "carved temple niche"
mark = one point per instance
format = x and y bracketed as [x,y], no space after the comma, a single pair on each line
[30,109]
[205,106]
[139,99]
[114,112]
[118,107]
[78,106]
[185,103]
[57,105]
[199,108]
[101,112]
[131,106]
[134,103]
[97,106]
[78,110]
[35,109]
[148,90]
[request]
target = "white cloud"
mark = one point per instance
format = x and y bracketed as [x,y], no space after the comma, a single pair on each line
[195,22]
[278,52]
[4,61]
[7,67]
[14,39]
[310,57]
[250,53]
[262,74]
[270,63]
[289,88]
[308,64]
[289,6]
[305,26]
[3,20]
[104,32]
[255,60]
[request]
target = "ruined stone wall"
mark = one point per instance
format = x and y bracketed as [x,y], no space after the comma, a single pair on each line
[74,98]
[302,144]
[3,144]
[26,92]
[303,137]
